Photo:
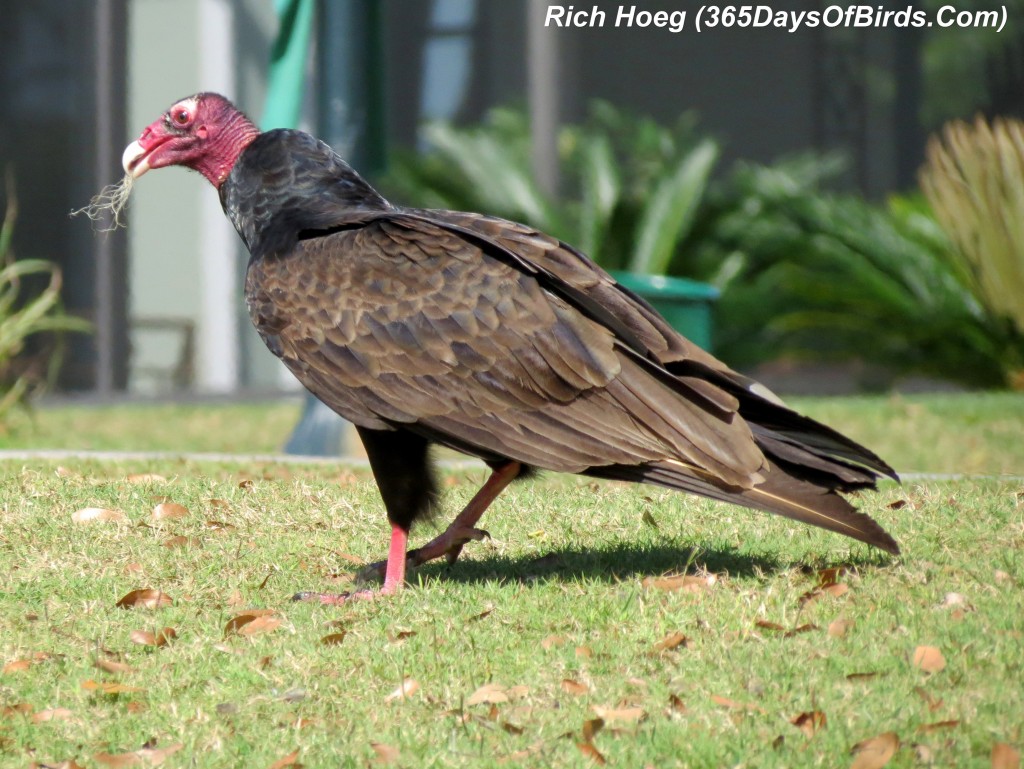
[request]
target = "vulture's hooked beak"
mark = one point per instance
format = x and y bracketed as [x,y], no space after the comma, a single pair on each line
[135,159]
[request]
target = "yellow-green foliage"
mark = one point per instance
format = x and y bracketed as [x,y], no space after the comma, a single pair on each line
[974,180]
[22,315]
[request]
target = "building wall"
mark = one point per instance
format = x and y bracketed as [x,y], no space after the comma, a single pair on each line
[187,261]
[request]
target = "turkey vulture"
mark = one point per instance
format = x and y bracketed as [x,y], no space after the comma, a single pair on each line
[463,330]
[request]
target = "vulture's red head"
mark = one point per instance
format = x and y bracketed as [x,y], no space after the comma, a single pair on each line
[204,132]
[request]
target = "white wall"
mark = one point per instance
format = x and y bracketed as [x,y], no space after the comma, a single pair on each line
[186,260]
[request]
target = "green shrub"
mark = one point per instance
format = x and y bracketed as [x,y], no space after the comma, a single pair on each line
[25,314]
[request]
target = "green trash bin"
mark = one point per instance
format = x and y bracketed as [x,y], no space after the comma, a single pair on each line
[684,303]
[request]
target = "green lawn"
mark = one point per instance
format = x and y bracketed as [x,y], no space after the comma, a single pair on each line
[536,639]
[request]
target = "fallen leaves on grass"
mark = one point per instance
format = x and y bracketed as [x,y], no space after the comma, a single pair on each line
[406,689]
[148,638]
[928,659]
[809,722]
[631,714]
[109,687]
[166,511]
[51,714]
[292,759]
[776,627]
[837,628]
[488,694]
[591,727]
[111,666]
[725,702]
[575,688]
[592,753]
[689,583]
[145,478]
[252,623]
[385,754]
[17,666]
[141,757]
[938,725]
[97,515]
[146,598]
[1005,756]
[876,752]
[671,641]
[181,541]
[333,639]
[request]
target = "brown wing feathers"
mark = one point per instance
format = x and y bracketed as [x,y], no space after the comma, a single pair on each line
[499,341]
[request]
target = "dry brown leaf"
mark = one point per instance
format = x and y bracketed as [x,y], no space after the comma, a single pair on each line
[1005,756]
[109,687]
[169,510]
[831,575]
[386,754]
[406,689]
[899,504]
[585,652]
[488,693]
[876,752]
[552,641]
[110,666]
[676,703]
[148,638]
[576,688]
[937,725]
[143,757]
[292,759]
[836,590]
[218,526]
[591,727]
[477,617]
[929,659]
[180,541]
[766,625]
[860,676]
[96,515]
[689,583]
[21,709]
[672,641]
[809,722]
[264,624]
[333,639]
[934,703]
[837,628]
[633,714]
[145,478]
[17,666]
[239,621]
[53,714]
[725,702]
[591,752]
[146,598]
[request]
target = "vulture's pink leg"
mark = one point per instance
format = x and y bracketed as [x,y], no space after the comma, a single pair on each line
[394,575]
[461,530]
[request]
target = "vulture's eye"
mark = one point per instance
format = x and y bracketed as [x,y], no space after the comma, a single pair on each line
[181,116]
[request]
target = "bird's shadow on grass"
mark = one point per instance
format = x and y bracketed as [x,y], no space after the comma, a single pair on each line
[619,562]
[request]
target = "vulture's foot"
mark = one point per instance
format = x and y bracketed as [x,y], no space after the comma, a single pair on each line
[449,544]
[338,599]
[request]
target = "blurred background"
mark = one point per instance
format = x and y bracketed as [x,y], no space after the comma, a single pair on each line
[815,188]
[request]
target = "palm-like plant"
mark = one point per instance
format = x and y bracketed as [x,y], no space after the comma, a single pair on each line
[974,180]
[633,186]
[23,316]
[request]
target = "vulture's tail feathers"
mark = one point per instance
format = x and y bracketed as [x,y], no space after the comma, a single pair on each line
[780,493]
